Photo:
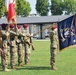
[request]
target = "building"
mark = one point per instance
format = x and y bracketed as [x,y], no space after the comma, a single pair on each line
[39,23]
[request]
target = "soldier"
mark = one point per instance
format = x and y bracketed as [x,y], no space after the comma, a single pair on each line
[19,42]
[26,44]
[13,47]
[5,35]
[53,46]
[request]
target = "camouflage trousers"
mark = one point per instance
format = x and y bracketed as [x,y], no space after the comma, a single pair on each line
[20,54]
[54,53]
[13,56]
[27,54]
[5,59]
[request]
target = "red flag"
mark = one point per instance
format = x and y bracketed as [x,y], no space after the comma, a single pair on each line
[10,6]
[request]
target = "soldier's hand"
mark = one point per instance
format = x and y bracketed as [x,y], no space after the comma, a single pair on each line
[31,35]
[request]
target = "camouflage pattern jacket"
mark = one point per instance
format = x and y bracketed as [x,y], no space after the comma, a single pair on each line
[54,38]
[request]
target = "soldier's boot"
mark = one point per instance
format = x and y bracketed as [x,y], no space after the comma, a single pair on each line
[26,63]
[54,68]
[13,67]
[7,70]
[20,64]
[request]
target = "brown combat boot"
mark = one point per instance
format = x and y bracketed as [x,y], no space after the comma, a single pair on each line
[13,67]
[6,70]
[26,63]
[20,64]
[53,68]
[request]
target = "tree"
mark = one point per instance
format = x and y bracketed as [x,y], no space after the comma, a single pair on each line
[42,7]
[69,6]
[23,8]
[56,7]
[2,8]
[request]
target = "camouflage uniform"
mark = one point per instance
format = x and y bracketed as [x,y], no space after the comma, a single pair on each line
[13,49]
[53,46]
[26,46]
[5,35]
[19,42]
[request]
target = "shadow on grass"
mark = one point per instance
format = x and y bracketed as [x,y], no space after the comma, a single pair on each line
[34,68]
[29,68]
[1,67]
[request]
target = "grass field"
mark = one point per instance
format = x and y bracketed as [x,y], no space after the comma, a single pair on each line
[40,58]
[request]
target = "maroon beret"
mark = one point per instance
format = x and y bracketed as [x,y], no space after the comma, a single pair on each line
[3,26]
[12,25]
[18,26]
[25,25]
[54,27]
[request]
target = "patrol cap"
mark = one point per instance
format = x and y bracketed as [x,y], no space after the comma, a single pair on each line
[18,26]
[25,25]
[3,26]
[12,25]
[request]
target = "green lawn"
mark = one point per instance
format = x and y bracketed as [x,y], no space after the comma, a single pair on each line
[40,58]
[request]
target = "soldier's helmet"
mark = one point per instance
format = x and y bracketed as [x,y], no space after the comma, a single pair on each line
[25,26]
[4,26]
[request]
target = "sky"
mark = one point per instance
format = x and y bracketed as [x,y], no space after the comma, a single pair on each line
[32,4]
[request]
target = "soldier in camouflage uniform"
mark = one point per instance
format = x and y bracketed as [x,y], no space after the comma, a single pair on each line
[13,47]
[5,35]
[26,44]
[19,42]
[53,46]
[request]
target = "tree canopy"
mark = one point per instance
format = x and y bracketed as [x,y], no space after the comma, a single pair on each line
[23,8]
[2,8]
[42,7]
[69,6]
[58,6]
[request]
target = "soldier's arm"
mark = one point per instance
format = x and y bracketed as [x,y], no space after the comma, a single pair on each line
[30,44]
